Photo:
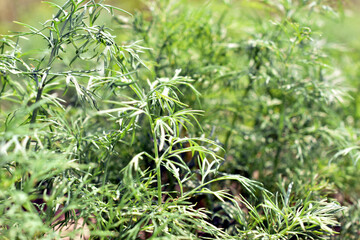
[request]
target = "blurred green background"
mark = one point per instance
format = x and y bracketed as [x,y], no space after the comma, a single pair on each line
[35,11]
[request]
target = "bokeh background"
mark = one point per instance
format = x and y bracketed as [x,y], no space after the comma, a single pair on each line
[35,11]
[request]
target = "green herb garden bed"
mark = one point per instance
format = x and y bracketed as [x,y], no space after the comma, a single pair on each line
[184,120]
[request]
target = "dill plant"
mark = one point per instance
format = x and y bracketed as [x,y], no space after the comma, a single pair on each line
[271,90]
[106,134]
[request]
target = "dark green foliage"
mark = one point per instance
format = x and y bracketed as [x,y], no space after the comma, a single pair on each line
[109,135]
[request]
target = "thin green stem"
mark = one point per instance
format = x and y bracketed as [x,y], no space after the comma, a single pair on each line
[38,98]
[228,134]
[280,133]
[157,160]
[158,172]
[158,163]
[4,80]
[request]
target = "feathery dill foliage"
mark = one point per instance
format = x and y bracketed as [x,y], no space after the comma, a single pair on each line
[106,135]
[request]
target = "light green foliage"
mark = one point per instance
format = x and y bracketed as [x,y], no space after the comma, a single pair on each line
[272,89]
[158,136]
[265,79]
